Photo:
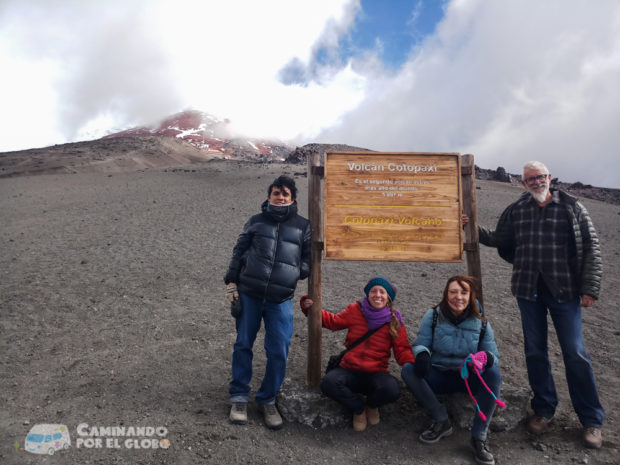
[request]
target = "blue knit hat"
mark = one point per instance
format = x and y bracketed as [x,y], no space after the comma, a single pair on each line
[384,283]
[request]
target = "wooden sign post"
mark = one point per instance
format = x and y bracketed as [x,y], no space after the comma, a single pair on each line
[472,246]
[315,173]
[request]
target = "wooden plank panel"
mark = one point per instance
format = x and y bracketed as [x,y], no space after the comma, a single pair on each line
[393,206]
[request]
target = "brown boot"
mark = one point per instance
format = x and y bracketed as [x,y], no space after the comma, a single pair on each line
[538,424]
[360,421]
[592,438]
[372,414]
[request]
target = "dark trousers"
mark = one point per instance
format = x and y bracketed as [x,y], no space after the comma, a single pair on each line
[348,386]
[566,319]
[440,382]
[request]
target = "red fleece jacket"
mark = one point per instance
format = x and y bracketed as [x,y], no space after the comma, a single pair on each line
[372,355]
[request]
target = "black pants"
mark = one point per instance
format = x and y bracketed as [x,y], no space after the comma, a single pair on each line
[345,387]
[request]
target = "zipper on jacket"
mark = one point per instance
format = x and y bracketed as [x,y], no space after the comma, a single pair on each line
[273,261]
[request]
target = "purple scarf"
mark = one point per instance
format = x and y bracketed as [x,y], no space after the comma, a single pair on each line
[378,317]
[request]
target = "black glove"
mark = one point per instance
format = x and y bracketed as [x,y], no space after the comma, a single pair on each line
[422,364]
[490,359]
[235,308]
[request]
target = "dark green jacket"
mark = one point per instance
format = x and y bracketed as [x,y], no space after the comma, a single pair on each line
[589,263]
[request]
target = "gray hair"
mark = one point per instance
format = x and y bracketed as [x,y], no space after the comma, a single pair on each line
[536,166]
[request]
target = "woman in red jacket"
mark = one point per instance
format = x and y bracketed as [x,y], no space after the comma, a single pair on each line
[364,369]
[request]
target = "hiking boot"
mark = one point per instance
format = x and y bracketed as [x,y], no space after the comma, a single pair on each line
[239,413]
[482,454]
[538,424]
[435,432]
[372,415]
[360,421]
[272,417]
[592,438]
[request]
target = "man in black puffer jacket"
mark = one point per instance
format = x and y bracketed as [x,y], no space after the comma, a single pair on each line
[549,238]
[272,253]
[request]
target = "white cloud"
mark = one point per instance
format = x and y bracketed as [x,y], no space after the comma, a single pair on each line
[507,81]
[127,63]
[233,70]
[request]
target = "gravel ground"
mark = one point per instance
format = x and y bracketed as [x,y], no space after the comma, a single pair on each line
[113,315]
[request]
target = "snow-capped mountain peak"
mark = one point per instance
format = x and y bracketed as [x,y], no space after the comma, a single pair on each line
[211,135]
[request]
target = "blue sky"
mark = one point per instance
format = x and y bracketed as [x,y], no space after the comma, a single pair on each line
[508,81]
[391,29]
[398,25]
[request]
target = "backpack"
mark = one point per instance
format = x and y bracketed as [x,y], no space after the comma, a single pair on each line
[483,328]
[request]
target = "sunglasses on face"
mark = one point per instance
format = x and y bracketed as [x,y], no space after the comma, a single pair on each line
[537,178]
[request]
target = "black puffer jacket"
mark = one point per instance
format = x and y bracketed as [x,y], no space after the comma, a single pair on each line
[589,263]
[272,253]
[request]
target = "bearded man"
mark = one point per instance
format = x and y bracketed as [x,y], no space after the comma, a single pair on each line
[550,240]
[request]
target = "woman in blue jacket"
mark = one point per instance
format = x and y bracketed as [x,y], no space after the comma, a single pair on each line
[447,335]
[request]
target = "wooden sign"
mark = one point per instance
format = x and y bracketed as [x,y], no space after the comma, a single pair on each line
[393,206]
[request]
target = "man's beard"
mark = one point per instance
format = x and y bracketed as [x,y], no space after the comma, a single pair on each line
[539,196]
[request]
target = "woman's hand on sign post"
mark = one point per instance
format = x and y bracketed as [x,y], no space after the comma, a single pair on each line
[305,303]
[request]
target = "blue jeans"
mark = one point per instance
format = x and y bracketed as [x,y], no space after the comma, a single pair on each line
[440,382]
[345,387]
[579,376]
[278,331]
